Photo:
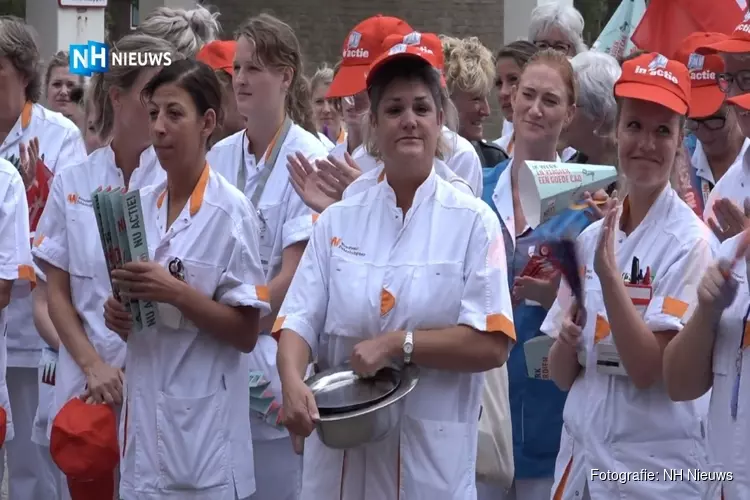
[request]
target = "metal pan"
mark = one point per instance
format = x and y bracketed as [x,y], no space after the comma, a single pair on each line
[340,390]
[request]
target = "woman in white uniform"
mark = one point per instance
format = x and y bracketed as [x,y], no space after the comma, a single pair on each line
[67,245]
[185,425]
[640,277]
[273,96]
[709,354]
[23,121]
[378,283]
[327,112]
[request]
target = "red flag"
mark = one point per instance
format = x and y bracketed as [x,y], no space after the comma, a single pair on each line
[38,193]
[667,22]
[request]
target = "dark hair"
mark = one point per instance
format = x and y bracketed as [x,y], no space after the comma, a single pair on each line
[520,51]
[76,95]
[195,78]
[407,69]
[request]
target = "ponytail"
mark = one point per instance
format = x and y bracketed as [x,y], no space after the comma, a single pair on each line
[299,104]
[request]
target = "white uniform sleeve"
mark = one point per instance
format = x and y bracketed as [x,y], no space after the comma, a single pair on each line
[51,238]
[243,283]
[15,251]
[485,303]
[466,164]
[72,150]
[676,290]
[306,302]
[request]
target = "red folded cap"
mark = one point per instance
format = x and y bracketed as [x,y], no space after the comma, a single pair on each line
[363,45]
[421,46]
[655,78]
[83,445]
[219,54]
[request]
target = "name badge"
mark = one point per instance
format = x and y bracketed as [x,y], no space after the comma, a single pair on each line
[608,360]
[640,295]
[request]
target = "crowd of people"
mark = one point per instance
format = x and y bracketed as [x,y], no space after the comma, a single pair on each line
[360,214]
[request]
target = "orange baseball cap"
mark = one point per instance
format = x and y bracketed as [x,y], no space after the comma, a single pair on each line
[429,40]
[219,54]
[83,445]
[655,78]
[363,45]
[737,43]
[742,101]
[423,46]
[705,95]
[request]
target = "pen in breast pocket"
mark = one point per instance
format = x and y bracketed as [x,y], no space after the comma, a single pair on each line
[634,269]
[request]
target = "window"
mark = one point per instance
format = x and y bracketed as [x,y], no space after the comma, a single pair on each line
[134,17]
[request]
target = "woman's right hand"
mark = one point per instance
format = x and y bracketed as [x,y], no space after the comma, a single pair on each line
[117,319]
[308,185]
[717,288]
[104,384]
[300,413]
[572,327]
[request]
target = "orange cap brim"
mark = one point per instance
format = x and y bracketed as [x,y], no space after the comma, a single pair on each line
[97,489]
[742,101]
[705,101]
[651,93]
[729,46]
[349,81]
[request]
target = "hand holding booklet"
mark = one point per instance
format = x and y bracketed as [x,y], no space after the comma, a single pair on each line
[119,218]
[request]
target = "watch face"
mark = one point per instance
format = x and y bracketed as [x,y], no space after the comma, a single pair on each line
[408,348]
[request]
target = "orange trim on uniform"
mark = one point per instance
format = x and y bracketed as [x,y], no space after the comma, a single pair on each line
[196,198]
[26,273]
[500,323]
[746,335]
[561,487]
[674,307]
[160,199]
[387,302]
[262,292]
[272,144]
[512,141]
[381,176]
[38,240]
[26,114]
[315,218]
[276,328]
[602,329]
[342,136]
[343,471]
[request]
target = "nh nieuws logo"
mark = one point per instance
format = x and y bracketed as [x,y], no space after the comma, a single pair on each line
[96,57]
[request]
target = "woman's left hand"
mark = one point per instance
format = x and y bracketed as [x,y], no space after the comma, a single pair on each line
[540,290]
[147,281]
[605,263]
[370,355]
[597,203]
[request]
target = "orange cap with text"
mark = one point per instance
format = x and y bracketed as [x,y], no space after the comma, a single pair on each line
[83,445]
[219,54]
[737,43]
[422,46]
[363,45]
[705,95]
[741,101]
[655,78]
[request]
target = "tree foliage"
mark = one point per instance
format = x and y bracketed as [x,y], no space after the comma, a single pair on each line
[13,7]
[596,13]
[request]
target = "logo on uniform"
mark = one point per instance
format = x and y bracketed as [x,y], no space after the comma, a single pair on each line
[413,38]
[354,38]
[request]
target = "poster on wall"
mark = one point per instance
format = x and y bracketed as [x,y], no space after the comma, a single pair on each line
[83,4]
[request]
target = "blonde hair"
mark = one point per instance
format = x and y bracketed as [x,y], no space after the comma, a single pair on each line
[122,77]
[469,65]
[187,30]
[323,76]
[277,46]
[59,60]
[18,42]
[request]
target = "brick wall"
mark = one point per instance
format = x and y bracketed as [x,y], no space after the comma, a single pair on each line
[322,26]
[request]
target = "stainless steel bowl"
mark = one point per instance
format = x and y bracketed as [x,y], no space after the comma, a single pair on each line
[368,424]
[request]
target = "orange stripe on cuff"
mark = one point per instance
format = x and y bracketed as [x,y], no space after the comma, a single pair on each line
[262,292]
[277,326]
[602,329]
[26,273]
[674,307]
[500,323]
[561,487]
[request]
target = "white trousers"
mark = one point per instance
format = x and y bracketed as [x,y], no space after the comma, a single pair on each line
[522,489]
[32,475]
[278,470]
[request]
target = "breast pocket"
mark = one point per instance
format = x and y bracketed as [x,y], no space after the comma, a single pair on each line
[201,276]
[192,441]
[350,302]
[84,244]
[435,293]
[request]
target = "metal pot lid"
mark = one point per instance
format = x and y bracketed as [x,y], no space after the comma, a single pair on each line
[340,390]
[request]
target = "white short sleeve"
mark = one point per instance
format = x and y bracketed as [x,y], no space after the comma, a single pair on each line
[15,251]
[51,239]
[242,282]
[72,150]
[465,162]
[675,292]
[485,303]
[306,302]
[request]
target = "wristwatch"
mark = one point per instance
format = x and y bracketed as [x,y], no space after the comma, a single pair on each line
[408,346]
